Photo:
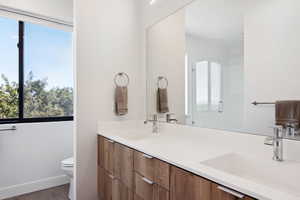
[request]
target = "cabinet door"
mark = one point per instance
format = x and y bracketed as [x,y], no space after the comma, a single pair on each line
[160,193]
[108,148]
[187,186]
[120,191]
[110,188]
[100,151]
[222,193]
[123,164]
[101,179]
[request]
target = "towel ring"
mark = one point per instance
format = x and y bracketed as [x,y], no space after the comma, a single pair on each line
[120,75]
[160,79]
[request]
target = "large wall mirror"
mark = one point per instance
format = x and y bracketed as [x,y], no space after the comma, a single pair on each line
[208,62]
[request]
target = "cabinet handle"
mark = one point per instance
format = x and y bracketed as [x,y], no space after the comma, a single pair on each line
[147,181]
[147,156]
[111,141]
[111,176]
[236,194]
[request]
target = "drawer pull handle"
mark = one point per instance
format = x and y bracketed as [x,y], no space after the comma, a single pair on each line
[147,181]
[236,194]
[111,141]
[111,176]
[147,156]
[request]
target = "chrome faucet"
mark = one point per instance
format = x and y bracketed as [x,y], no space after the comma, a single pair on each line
[278,144]
[291,129]
[154,123]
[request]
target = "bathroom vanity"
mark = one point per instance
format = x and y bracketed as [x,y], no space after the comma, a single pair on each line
[185,163]
[125,173]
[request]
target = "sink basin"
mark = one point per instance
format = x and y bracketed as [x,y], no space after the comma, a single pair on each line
[269,173]
[134,134]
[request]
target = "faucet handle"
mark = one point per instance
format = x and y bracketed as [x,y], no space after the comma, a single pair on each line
[171,117]
[155,117]
[278,131]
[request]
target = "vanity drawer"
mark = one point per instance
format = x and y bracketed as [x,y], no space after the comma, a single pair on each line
[144,165]
[185,185]
[153,169]
[148,190]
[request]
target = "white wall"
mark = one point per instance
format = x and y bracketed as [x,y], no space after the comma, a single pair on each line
[165,57]
[152,14]
[272,61]
[107,42]
[30,157]
[60,9]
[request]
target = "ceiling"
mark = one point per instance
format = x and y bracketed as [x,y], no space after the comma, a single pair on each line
[216,19]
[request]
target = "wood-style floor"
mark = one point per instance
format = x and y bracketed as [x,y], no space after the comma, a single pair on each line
[56,193]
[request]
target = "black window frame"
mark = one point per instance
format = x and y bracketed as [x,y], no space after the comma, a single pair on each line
[21,118]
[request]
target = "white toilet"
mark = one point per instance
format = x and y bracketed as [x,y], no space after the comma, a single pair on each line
[67,166]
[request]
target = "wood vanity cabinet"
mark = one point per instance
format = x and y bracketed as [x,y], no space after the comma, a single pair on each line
[115,170]
[126,174]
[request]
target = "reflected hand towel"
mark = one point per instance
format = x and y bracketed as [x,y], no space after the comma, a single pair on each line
[121,100]
[162,100]
[287,112]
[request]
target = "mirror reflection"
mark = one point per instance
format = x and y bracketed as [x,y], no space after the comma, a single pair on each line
[217,57]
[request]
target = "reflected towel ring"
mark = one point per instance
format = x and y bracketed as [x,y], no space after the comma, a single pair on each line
[120,75]
[162,78]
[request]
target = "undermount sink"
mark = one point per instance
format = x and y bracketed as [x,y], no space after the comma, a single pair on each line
[277,175]
[134,134]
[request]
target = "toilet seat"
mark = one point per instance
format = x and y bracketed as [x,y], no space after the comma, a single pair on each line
[67,166]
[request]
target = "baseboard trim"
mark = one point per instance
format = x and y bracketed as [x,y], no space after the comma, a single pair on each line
[34,186]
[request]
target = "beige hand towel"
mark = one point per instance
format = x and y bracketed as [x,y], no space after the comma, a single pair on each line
[287,112]
[121,100]
[162,100]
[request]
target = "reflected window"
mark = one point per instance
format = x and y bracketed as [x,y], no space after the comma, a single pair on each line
[208,85]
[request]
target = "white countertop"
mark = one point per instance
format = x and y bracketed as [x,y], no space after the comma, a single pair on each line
[198,149]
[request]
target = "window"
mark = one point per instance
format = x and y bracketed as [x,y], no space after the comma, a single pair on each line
[9,97]
[36,83]
[208,85]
